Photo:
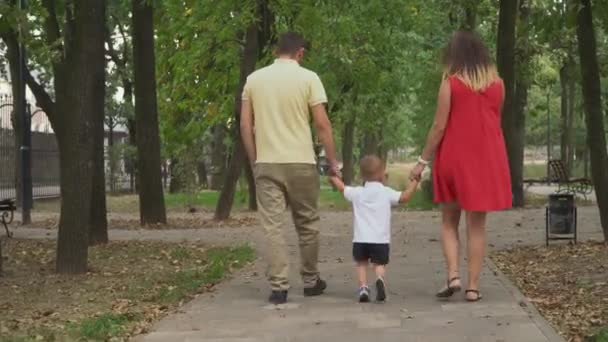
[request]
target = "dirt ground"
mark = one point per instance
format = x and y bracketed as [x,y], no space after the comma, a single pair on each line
[129,286]
[568,284]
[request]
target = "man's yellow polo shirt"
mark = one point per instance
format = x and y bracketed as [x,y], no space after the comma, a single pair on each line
[281,95]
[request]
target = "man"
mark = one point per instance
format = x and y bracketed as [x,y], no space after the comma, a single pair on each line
[280,99]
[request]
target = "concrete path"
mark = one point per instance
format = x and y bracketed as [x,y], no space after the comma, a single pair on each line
[237,310]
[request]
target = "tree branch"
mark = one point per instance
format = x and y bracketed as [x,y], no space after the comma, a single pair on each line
[53,33]
[43,99]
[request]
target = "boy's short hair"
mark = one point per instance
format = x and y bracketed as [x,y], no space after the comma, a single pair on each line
[291,42]
[371,166]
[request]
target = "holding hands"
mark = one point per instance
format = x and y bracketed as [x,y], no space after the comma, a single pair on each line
[416,173]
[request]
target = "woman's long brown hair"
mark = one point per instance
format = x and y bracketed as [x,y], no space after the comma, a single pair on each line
[468,58]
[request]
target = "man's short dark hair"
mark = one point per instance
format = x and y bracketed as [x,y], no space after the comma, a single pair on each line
[291,42]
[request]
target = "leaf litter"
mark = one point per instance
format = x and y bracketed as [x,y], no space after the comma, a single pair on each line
[567,283]
[135,283]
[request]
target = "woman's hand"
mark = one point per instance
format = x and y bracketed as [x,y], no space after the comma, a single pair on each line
[416,173]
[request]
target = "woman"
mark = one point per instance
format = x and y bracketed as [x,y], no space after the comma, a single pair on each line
[470,170]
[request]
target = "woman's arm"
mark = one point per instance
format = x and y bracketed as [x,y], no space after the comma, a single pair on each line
[437,130]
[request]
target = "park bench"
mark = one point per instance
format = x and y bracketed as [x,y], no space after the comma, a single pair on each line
[558,174]
[7,211]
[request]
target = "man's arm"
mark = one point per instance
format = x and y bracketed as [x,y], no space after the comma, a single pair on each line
[247,130]
[407,194]
[324,132]
[337,182]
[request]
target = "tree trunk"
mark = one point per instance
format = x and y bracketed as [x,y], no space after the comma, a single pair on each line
[571,119]
[177,184]
[470,14]
[521,101]
[218,157]
[151,199]
[19,101]
[257,37]
[98,224]
[201,172]
[348,139]
[79,79]
[505,57]
[567,114]
[594,116]
[371,144]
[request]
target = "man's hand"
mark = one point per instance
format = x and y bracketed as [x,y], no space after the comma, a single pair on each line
[324,132]
[334,169]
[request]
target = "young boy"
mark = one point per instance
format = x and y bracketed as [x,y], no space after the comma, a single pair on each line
[372,222]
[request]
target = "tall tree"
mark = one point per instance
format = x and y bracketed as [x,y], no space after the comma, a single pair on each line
[505,58]
[594,118]
[16,61]
[97,221]
[151,199]
[568,93]
[523,74]
[78,77]
[257,37]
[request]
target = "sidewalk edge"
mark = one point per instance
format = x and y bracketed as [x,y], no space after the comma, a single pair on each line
[550,333]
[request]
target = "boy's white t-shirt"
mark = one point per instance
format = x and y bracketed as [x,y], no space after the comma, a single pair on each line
[372,211]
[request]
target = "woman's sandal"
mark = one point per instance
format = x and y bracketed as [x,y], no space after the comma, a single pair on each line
[478,295]
[449,290]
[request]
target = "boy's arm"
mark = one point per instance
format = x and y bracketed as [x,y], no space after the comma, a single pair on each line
[407,194]
[337,182]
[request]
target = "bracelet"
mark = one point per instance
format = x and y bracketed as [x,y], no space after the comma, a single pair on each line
[422,161]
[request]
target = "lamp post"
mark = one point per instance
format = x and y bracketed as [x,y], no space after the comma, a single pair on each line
[548,132]
[26,134]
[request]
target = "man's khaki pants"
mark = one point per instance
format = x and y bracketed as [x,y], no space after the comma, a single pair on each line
[295,186]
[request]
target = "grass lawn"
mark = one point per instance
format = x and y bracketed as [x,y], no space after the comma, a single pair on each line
[205,200]
[329,199]
[129,286]
[539,171]
[567,283]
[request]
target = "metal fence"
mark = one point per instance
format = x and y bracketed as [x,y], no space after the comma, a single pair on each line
[45,157]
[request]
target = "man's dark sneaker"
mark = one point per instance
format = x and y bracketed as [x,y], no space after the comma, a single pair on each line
[364,294]
[316,290]
[278,297]
[380,290]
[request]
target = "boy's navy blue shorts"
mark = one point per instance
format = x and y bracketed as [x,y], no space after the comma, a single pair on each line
[376,253]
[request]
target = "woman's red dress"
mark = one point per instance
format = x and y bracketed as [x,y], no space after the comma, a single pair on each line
[471,166]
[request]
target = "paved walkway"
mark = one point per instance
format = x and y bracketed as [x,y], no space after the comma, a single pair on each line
[237,310]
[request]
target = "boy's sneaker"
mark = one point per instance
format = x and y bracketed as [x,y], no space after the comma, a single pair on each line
[380,290]
[364,294]
[316,290]
[278,297]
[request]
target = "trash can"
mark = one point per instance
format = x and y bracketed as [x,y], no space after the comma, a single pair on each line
[561,217]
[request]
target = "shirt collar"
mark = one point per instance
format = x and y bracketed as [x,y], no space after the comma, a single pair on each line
[285,61]
[373,184]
